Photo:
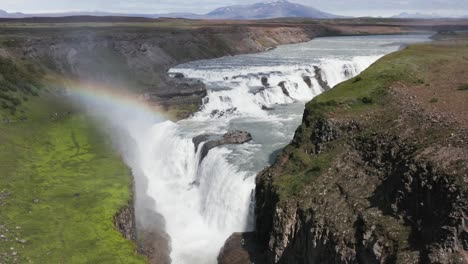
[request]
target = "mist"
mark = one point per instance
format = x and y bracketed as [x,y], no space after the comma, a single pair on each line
[127,124]
[165,166]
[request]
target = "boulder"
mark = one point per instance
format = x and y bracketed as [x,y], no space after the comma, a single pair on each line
[179,75]
[241,248]
[200,139]
[234,137]
[283,88]
[320,80]
[307,80]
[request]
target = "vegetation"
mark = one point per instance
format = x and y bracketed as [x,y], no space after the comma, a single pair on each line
[18,82]
[181,111]
[463,87]
[365,94]
[61,184]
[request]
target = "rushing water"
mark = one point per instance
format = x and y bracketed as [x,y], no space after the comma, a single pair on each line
[203,203]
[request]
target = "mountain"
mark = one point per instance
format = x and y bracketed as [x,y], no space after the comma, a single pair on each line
[419,15]
[4,14]
[265,10]
[272,9]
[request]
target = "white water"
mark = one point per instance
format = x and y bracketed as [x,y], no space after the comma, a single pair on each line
[200,217]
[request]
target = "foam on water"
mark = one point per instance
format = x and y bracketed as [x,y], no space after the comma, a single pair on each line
[205,202]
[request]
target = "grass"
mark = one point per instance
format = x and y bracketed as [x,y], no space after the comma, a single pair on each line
[300,172]
[363,94]
[18,82]
[180,112]
[463,87]
[61,184]
[343,167]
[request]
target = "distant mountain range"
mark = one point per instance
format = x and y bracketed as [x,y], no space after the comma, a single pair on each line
[265,10]
[272,9]
[423,16]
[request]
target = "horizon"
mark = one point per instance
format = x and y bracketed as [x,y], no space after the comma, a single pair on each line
[362,8]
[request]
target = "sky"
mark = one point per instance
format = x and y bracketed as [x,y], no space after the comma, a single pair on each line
[339,7]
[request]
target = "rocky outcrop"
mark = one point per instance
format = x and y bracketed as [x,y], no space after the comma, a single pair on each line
[138,59]
[319,78]
[212,141]
[153,241]
[241,248]
[125,222]
[307,80]
[285,91]
[409,211]
[147,232]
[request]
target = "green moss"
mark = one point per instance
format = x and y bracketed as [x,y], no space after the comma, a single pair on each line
[365,93]
[180,112]
[463,87]
[300,171]
[65,185]
[18,82]
[434,100]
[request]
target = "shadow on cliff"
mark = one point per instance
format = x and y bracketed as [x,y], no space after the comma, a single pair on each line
[242,248]
[415,192]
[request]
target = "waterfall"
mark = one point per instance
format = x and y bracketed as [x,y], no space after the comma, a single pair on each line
[205,201]
[199,216]
[254,89]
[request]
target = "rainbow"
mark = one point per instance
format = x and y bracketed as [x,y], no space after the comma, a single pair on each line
[112,94]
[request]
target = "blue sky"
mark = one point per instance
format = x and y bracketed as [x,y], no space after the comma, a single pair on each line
[343,7]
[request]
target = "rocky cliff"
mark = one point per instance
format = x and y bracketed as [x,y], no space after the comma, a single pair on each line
[135,53]
[310,204]
[137,57]
[377,171]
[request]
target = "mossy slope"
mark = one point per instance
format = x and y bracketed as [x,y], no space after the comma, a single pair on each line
[61,184]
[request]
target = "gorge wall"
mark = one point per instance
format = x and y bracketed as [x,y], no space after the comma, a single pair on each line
[377,172]
[312,206]
[137,58]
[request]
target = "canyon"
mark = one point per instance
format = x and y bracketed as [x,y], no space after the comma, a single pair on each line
[311,206]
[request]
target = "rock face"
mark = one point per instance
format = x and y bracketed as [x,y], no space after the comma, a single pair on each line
[236,137]
[284,89]
[307,80]
[139,58]
[409,211]
[319,78]
[384,185]
[125,222]
[230,138]
[241,248]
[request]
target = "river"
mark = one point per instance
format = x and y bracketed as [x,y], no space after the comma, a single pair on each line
[203,201]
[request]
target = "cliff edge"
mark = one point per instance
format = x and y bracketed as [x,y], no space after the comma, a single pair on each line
[377,171]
